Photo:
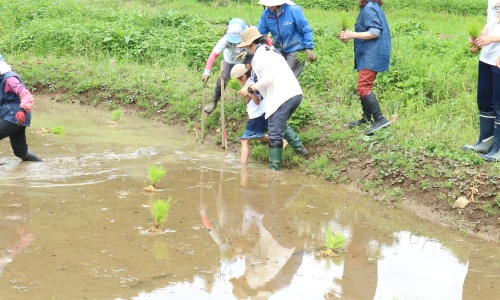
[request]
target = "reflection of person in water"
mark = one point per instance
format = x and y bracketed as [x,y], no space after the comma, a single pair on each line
[271,256]
[16,247]
[359,280]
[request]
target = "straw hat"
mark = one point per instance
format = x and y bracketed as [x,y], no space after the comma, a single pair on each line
[239,70]
[248,36]
[271,2]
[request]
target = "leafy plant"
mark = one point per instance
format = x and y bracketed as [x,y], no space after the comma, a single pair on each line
[116,114]
[57,130]
[159,211]
[334,241]
[155,174]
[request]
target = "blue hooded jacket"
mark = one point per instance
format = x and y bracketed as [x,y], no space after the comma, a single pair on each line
[290,28]
[10,102]
[372,54]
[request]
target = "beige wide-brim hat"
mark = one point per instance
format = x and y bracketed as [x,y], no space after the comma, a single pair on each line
[271,2]
[248,36]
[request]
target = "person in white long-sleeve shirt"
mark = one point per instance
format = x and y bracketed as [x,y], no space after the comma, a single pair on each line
[488,89]
[280,89]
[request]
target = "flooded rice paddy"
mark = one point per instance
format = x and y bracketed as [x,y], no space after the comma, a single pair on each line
[73,226]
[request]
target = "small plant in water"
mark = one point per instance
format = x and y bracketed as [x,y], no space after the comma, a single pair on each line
[116,114]
[159,210]
[57,130]
[333,243]
[474,30]
[155,174]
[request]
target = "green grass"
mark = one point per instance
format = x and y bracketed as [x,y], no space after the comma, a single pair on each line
[151,54]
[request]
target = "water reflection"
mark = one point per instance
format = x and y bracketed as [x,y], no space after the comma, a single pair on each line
[234,232]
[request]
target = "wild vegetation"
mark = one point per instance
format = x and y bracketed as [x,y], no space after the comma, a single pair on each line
[150,54]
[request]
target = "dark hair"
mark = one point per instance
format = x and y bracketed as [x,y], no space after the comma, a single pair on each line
[365,2]
[261,40]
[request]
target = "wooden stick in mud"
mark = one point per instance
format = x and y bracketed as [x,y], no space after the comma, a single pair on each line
[223,129]
[196,129]
[203,114]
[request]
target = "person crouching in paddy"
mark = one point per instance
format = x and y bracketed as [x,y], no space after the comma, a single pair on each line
[280,89]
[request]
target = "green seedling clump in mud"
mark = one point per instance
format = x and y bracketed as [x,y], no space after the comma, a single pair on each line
[474,30]
[234,84]
[116,114]
[334,241]
[159,210]
[57,130]
[155,174]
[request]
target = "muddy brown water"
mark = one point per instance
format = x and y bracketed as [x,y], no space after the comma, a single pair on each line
[73,226]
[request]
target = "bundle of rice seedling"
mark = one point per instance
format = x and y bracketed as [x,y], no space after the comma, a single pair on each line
[155,173]
[474,30]
[234,84]
[159,210]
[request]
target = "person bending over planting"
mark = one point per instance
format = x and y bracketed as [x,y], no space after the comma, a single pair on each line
[488,87]
[15,111]
[232,55]
[290,30]
[372,50]
[257,124]
[280,89]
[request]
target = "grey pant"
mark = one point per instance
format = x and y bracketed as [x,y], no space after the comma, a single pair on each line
[277,122]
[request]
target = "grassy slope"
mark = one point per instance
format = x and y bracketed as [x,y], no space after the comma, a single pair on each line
[150,54]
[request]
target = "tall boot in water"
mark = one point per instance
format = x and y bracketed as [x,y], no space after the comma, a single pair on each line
[494,152]
[293,139]
[367,116]
[275,154]
[30,156]
[379,121]
[486,133]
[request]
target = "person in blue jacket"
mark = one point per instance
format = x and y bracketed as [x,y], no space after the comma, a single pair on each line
[372,51]
[15,111]
[290,31]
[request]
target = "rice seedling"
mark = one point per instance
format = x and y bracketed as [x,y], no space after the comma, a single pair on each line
[301,56]
[344,24]
[344,21]
[116,114]
[333,243]
[234,84]
[57,130]
[155,174]
[474,30]
[159,210]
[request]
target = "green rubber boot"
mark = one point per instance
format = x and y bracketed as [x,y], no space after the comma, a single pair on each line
[275,154]
[293,139]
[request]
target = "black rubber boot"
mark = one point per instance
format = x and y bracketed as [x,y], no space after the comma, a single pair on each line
[494,153]
[30,156]
[379,121]
[293,139]
[486,133]
[216,96]
[367,116]
[275,154]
